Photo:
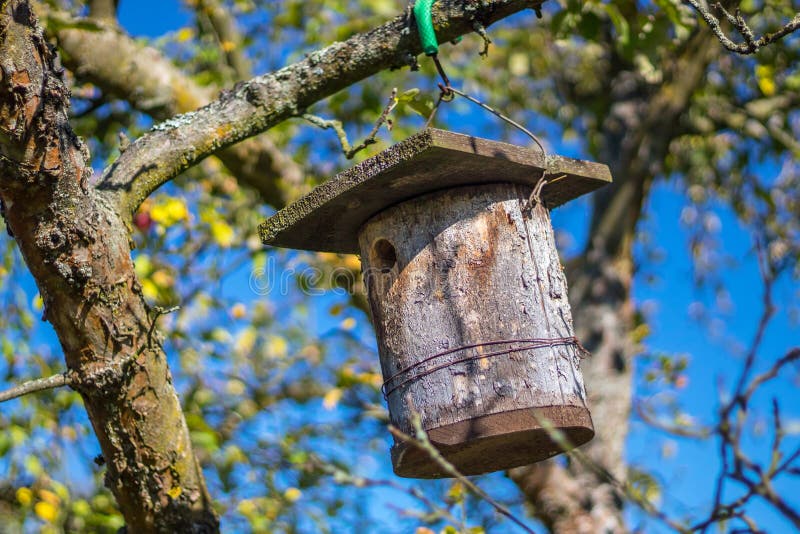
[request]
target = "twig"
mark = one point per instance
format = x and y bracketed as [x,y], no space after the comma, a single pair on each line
[480,30]
[341,476]
[736,465]
[423,443]
[66,378]
[158,311]
[34,386]
[751,44]
[698,432]
[337,127]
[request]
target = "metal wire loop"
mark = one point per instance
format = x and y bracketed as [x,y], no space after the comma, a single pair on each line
[447,90]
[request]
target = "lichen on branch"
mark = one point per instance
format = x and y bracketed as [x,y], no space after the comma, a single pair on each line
[256,105]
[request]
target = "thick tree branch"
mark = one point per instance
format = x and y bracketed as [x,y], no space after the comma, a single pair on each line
[77,248]
[140,75]
[257,105]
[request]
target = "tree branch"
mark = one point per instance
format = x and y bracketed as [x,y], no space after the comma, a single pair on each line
[34,386]
[140,75]
[751,44]
[257,105]
[348,150]
[228,36]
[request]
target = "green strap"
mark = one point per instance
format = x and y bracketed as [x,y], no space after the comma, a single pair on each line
[427,35]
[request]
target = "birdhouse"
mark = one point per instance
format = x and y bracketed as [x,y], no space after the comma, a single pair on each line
[467,294]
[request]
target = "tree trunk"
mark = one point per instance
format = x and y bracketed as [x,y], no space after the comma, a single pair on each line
[77,248]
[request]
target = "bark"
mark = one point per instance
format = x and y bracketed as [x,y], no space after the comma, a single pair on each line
[76,245]
[140,75]
[459,268]
[638,130]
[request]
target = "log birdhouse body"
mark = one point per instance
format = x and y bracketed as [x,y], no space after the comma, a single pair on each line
[466,290]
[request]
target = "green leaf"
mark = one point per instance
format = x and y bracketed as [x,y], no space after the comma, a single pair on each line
[620,25]
[408,96]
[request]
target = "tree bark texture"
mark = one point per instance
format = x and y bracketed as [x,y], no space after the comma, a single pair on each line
[458,268]
[140,75]
[77,247]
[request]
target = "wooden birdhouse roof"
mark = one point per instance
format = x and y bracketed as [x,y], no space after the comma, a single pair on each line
[329,217]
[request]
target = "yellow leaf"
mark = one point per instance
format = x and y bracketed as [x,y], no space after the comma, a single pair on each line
[142,265]
[292,494]
[175,492]
[456,492]
[37,303]
[640,333]
[332,398]
[184,34]
[373,379]
[519,64]
[765,76]
[222,233]
[46,511]
[60,490]
[162,279]
[348,324]
[149,289]
[246,341]
[50,497]
[228,46]
[176,209]
[247,507]
[235,387]
[277,346]
[24,496]
[33,465]
[81,508]
[169,211]
[238,311]
[352,262]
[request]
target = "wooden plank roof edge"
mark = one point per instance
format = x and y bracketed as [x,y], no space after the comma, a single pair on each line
[408,149]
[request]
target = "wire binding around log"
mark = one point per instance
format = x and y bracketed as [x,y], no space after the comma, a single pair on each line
[524,344]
